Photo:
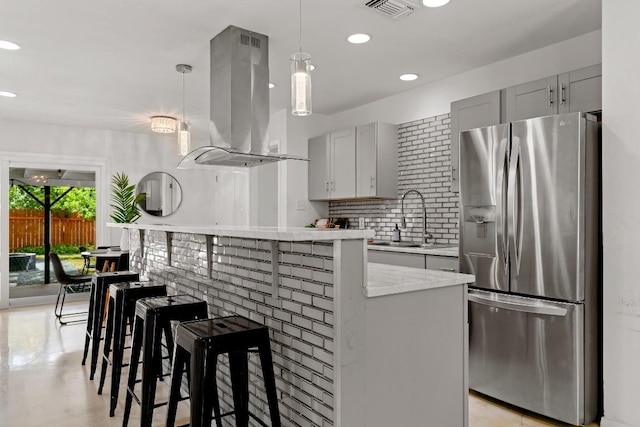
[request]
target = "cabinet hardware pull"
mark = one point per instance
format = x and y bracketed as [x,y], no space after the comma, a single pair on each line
[550,94]
[452,270]
[372,182]
[326,186]
[563,97]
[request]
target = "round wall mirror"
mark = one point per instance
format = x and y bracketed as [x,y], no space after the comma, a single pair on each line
[162,194]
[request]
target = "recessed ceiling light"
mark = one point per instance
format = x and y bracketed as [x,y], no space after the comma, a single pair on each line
[434,3]
[7,94]
[358,38]
[4,44]
[272,85]
[408,77]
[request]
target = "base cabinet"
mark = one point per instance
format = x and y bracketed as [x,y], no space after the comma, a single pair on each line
[404,259]
[397,258]
[444,263]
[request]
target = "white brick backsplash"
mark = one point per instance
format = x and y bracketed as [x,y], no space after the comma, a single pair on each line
[424,164]
[301,329]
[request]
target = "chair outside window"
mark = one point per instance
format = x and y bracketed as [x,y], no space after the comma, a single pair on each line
[68,284]
[87,257]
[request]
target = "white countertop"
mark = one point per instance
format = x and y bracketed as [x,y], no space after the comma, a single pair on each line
[294,234]
[384,279]
[440,250]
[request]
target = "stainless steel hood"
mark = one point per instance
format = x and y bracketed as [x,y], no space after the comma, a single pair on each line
[239,106]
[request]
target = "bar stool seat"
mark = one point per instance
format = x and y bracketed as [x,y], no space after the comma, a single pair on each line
[123,297]
[198,345]
[99,285]
[153,318]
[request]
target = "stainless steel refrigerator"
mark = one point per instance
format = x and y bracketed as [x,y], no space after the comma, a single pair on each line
[530,232]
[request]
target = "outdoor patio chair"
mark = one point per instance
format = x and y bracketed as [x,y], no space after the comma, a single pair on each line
[87,258]
[68,284]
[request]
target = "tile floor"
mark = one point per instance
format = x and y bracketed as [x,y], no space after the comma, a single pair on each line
[487,413]
[42,381]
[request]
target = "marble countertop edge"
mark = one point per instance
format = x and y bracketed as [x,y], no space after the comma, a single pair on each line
[384,279]
[265,233]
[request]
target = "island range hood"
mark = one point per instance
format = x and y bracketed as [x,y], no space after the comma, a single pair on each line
[239,105]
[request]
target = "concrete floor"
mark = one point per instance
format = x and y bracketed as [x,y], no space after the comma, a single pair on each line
[42,381]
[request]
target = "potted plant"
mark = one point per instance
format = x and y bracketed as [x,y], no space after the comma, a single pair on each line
[125,204]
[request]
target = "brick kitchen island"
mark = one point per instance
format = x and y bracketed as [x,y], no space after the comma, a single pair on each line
[354,344]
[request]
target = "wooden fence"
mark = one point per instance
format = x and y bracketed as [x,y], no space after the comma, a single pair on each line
[26,228]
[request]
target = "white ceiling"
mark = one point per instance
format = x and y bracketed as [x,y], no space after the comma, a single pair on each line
[111,65]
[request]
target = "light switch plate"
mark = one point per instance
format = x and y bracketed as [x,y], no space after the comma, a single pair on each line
[361,223]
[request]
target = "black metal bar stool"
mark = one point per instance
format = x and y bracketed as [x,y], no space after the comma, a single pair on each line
[197,347]
[99,284]
[153,317]
[122,304]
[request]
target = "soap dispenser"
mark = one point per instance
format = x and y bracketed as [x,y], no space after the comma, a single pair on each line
[396,234]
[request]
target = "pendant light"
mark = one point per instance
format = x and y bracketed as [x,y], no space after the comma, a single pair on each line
[184,131]
[301,79]
[163,124]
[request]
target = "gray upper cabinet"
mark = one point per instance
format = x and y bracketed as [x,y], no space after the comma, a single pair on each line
[319,168]
[578,90]
[377,161]
[360,162]
[533,99]
[343,145]
[581,90]
[470,113]
[332,166]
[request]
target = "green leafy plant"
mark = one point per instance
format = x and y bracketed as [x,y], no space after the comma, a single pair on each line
[62,249]
[125,202]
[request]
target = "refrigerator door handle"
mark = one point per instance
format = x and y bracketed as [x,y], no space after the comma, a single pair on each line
[514,202]
[501,201]
[534,307]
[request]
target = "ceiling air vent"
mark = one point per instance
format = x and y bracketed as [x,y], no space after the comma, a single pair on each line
[393,8]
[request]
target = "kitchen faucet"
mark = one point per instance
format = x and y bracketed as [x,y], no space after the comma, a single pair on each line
[425,235]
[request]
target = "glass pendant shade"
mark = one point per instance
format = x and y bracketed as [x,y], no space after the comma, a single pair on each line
[163,124]
[184,139]
[184,128]
[301,84]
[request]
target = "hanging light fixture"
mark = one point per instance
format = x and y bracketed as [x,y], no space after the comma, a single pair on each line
[301,79]
[163,124]
[184,130]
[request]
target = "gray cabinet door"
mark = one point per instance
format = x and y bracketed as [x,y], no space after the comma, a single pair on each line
[366,160]
[444,263]
[478,111]
[377,160]
[397,258]
[581,90]
[343,171]
[533,99]
[319,168]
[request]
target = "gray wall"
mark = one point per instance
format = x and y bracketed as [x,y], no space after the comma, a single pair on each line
[424,149]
